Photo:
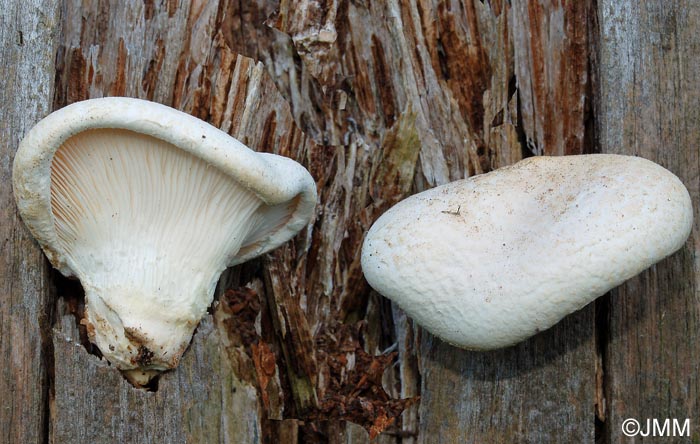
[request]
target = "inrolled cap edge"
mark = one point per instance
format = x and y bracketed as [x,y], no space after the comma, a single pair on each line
[274,179]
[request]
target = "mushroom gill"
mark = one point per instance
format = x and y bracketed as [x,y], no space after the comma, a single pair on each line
[147,228]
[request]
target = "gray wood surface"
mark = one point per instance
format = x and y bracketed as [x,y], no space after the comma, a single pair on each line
[649,106]
[543,390]
[28,39]
[379,100]
[200,402]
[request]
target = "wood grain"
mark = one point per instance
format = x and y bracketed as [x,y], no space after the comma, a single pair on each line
[28,39]
[379,100]
[172,54]
[649,106]
[541,390]
[201,402]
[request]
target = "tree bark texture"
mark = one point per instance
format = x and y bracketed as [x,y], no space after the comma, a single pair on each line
[379,100]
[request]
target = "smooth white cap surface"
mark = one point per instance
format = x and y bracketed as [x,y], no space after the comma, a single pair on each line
[489,261]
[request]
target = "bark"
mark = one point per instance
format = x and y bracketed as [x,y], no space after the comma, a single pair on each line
[379,100]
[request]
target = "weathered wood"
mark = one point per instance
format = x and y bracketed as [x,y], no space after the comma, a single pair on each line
[201,402]
[172,53]
[315,272]
[393,97]
[486,82]
[28,38]
[521,394]
[649,105]
[412,95]
[541,390]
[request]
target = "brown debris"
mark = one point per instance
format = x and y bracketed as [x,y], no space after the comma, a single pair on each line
[144,356]
[354,389]
[243,305]
[352,378]
[265,368]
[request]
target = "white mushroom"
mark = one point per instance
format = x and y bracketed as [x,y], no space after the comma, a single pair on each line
[489,261]
[147,205]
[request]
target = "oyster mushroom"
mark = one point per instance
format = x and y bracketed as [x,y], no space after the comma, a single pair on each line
[147,205]
[489,261]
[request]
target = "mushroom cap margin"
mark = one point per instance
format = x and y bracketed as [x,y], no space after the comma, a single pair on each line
[274,179]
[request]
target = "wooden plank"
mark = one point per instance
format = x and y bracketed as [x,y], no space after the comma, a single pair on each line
[200,402]
[540,391]
[394,97]
[206,78]
[649,106]
[172,53]
[28,39]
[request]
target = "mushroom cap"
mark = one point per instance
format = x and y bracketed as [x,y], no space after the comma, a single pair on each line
[489,261]
[274,179]
[147,205]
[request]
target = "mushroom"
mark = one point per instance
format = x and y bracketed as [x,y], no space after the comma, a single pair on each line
[147,206]
[489,261]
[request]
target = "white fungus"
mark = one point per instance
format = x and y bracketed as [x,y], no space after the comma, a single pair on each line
[489,261]
[147,206]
